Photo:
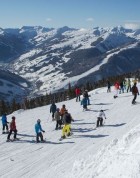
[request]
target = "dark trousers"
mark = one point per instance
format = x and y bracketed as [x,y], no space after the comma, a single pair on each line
[39,135]
[99,121]
[129,89]
[135,96]
[84,107]
[5,125]
[108,89]
[58,124]
[77,98]
[53,115]
[15,134]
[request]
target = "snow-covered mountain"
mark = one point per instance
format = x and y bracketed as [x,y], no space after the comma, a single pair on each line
[51,58]
[111,151]
[13,86]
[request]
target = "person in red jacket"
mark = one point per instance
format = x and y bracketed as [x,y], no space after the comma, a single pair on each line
[116,86]
[77,92]
[12,129]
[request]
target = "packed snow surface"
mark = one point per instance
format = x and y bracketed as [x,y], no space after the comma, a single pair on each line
[111,151]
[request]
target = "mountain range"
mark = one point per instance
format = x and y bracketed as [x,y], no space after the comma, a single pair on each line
[43,60]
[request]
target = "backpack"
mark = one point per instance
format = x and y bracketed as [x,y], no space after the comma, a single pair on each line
[134,89]
[68,118]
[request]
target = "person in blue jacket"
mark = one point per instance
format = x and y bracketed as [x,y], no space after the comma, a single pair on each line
[4,124]
[84,103]
[39,130]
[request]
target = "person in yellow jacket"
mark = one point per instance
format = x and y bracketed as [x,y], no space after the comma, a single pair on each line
[67,119]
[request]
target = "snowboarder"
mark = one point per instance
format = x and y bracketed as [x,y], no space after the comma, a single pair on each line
[67,118]
[58,118]
[12,129]
[100,117]
[39,130]
[53,110]
[135,92]
[4,124]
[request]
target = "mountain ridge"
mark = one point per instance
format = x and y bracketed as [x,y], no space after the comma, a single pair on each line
[51,57]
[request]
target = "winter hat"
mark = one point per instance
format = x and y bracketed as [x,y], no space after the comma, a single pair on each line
[57,109]
[38,120]
[13,118]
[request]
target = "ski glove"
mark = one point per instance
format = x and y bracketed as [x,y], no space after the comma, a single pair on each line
[43,131]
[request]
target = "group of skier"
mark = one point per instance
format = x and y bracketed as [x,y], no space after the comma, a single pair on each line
[63,118]
[125,85]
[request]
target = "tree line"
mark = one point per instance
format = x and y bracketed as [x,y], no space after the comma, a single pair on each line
[30,103]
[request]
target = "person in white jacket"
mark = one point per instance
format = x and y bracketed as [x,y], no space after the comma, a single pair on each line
[100,117]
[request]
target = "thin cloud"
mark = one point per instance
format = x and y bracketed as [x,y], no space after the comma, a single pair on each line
[132,24]
[48,19]
[90,19]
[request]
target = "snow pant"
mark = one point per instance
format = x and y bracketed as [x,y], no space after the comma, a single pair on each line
[53,115]
[5,126]
[99,121]
[128,88]
[88,101]
[39,135]
[121,90]
[58,124]
[66,130]
[15,134]
[135,96]
[108,89]
[85,107]
[77,98]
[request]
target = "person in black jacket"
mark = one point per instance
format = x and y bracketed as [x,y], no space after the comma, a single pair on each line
[135,92]
[53,110]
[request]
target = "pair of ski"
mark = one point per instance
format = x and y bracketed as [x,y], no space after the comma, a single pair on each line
[12,140]
[44,141]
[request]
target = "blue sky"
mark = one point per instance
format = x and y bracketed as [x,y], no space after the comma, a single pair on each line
[72,13]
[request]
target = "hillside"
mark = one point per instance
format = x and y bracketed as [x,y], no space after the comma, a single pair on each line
[49,58]
[108,152]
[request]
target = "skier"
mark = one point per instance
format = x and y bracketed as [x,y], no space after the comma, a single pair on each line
[85,94]
[84,103]
[108,86]
[121,87]
[53,110]
[128,85]
[62,111]
[39,130]
[4,124]
[12,129]
[100,117]
[116,86]
[67,118]
[58,119]
[135,92]
[77,92]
